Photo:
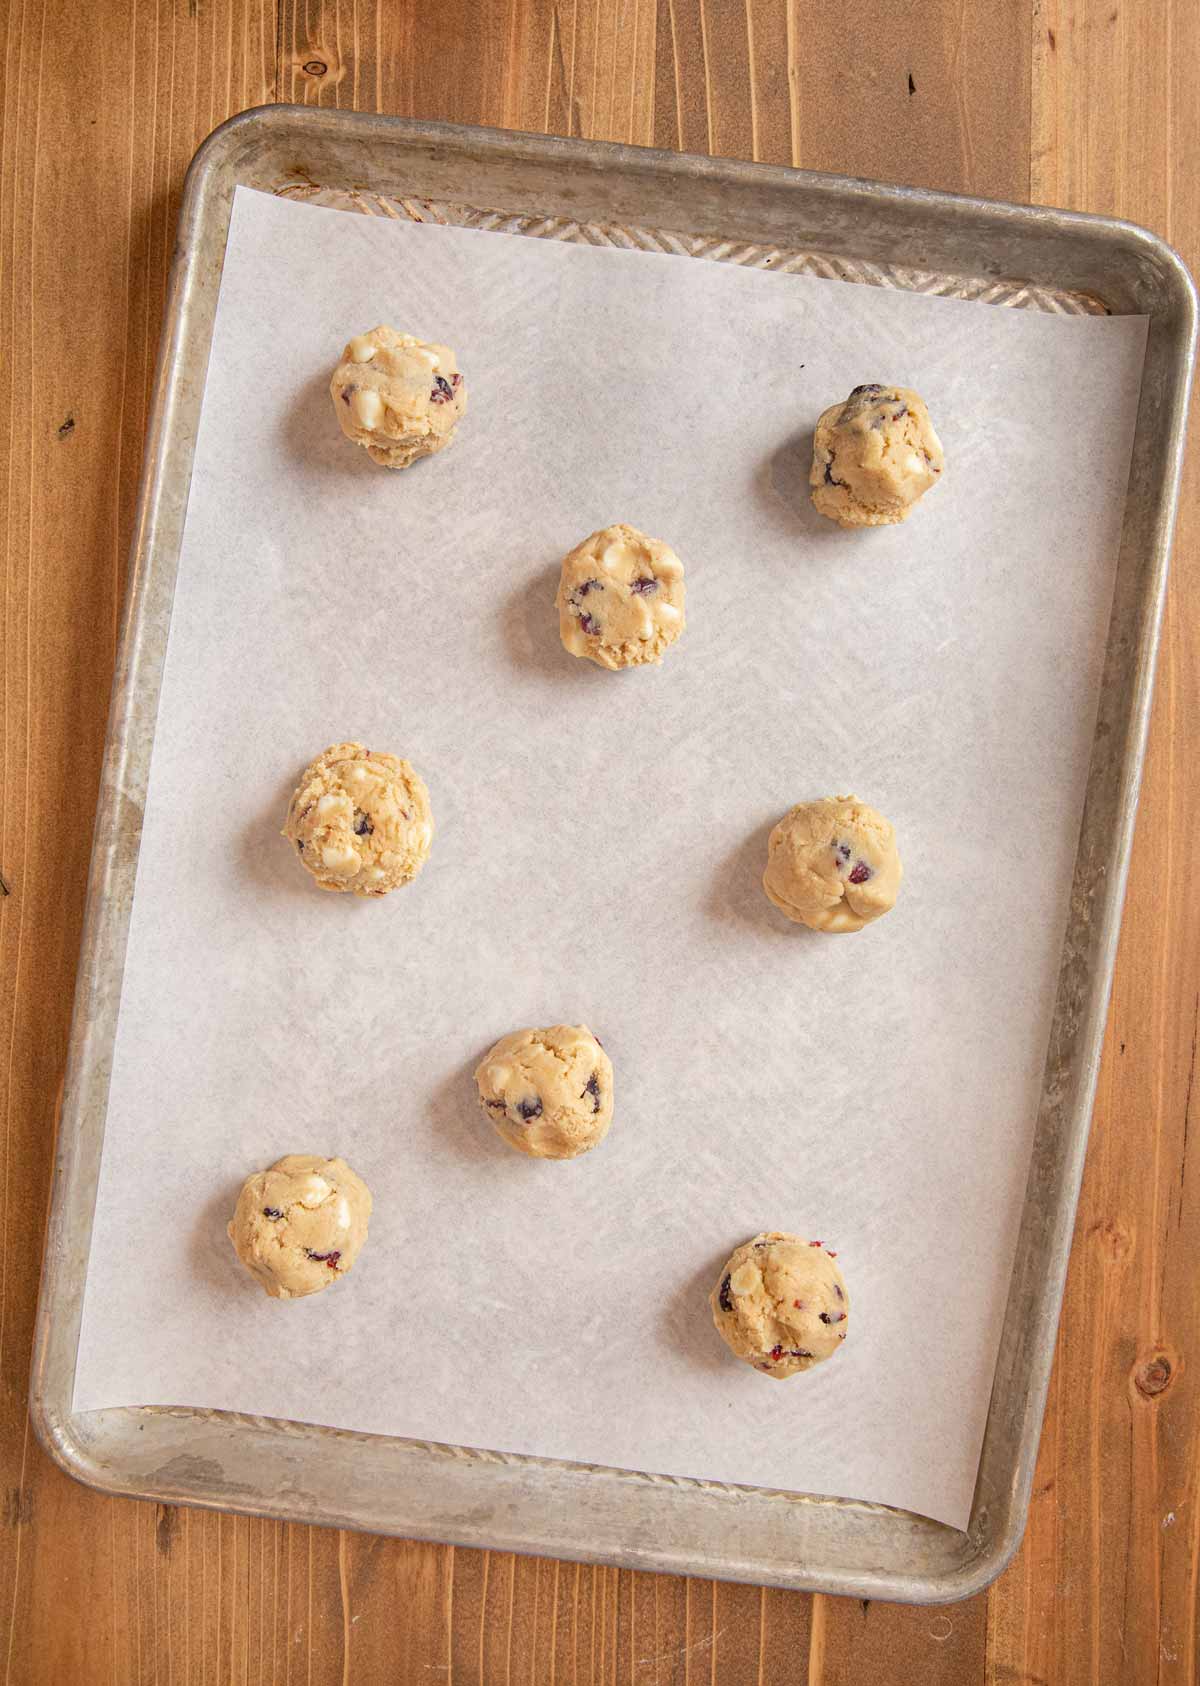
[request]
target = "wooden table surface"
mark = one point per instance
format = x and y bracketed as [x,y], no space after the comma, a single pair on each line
[1086,103]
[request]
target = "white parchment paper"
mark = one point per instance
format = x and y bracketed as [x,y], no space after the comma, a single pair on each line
[600,839]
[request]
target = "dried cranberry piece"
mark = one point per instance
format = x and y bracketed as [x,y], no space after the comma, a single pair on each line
[442,391]
[860,872]
[592,1088]
[723,1299]
[363,825]
[528,1109]
[644,586]
[272,1212]
[330,1259]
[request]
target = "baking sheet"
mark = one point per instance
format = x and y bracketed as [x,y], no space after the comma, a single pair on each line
[599,844]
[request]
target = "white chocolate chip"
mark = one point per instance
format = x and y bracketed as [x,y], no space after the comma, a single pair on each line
[668,611]
[617,555]
[368,408]
[913,464]
[422,832]
[500,1077]
[428,357]
[669,566]
[340,859]
[333,802]
[361,349]
[314,1191]
[745,1279]
[376,875]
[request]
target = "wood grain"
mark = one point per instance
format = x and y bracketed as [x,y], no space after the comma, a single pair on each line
[1089,103]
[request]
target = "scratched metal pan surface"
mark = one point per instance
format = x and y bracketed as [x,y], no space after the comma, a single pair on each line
[1008,256]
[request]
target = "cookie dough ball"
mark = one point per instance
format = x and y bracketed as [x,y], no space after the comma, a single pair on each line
[832,865]
[398,397]
[874,457]
[781,1304]
[549,1093]
[360,820]
[300,1224]
[620,598]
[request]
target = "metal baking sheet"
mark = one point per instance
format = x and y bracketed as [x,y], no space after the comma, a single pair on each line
[724,212]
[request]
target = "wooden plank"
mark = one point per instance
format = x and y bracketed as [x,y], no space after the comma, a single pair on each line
[94,1589]
[1105,1588]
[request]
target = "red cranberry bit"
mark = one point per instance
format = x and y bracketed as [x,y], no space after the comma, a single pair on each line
[592,1088]
[499,1105]
[529,1108]
[582,591]
[272,1212]
[362,824]
[590,626]
[799,1352]
[860,873]
[723,1299]
[330,1259]
[816,1243]
[346,391]
[776,1354]
[300,845]
[799,1304]
[442,391]
[644,586]
[831,1252]
[837,1290]
[456,381]
[872,386]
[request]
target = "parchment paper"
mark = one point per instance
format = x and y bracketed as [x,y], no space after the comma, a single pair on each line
[599,844]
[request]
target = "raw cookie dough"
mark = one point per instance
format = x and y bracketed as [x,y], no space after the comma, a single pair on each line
[620,598]
[832,865]
[300,1224]
[781,1304]
[360,820]
[397,396]
[874,457]
[549,1092]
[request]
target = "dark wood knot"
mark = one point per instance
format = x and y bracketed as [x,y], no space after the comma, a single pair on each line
[1154,1376]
